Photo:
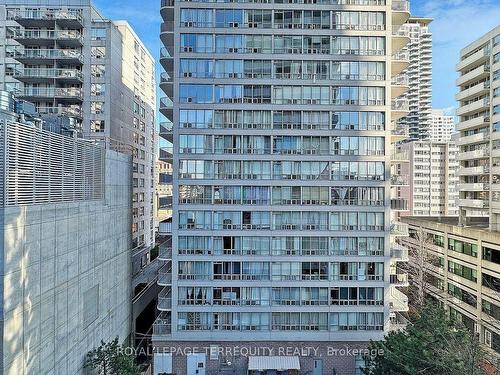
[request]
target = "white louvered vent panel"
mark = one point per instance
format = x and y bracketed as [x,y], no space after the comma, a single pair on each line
[45,167]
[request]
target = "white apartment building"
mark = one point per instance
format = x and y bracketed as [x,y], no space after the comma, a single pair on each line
[419,75]
[432,172]
[283,118]
[479,140]
[67,59]
[65,248]
[441,127]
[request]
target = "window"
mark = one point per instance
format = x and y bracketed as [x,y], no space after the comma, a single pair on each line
[97,126]
[462,271]
[491,255]
[97,89]
[196,93]
[98,52]
[98,33]
[462,247]
[96,107]
[97,70]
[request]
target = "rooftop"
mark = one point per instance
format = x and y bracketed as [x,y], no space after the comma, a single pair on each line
[478,227]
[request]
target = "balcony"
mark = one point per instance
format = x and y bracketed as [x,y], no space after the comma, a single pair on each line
[167,10]
[399,204]
[165,228]
[478,105]
[473,203]
[399,279]
[37,93]
[476,154]
[165,275]
[166,84]
[400,180]
[166,60]
[165,252]
[474,138]
[65,111]
[400,11]
[66,38]
[400,38]
[397,322]
[472,171]
[398,301]
[166,154]
[166,179]
[399,156]
[162,324]
[399,229]
[400,61]
[476,90]
[48,18]
[400,134]
[37,75]
[479,186]
[399,253]
[165,299]
[40,56]
[476,58]
[166,130]
[166,107]
[399,108]
[167,33]
[476,74]
[399,85]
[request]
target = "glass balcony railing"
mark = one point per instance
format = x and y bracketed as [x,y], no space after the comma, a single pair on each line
[49,73]
[400,5]
[45,15]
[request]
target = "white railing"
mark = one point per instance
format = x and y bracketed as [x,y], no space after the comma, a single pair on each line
[39,169]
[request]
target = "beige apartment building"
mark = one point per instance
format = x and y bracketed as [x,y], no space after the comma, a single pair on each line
[282,119]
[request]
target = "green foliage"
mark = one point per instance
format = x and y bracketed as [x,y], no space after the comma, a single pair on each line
[432,344]
[111,359]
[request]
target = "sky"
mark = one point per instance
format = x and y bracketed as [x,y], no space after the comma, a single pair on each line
[456,24]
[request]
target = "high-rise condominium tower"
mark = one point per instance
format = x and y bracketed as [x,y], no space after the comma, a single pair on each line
[419,75]
[432,172]
[282,118]
[479,141]
[67,59]
[442,126]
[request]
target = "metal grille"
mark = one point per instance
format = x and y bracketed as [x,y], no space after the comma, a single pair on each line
[44,167]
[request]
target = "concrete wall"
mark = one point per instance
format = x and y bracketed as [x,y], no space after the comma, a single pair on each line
[55,256]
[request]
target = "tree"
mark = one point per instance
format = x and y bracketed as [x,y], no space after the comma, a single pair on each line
[418,269]
[432,344]
[111,359]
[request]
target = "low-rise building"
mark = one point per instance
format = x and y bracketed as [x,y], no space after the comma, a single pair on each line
[65,219]
[462,271]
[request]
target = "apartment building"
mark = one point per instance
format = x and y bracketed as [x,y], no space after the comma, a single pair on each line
[282,118]
[163,204]
[432,174]
[69,60]
[419,75]
[462,272]
[442,126]
[479,140]
[65,249]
